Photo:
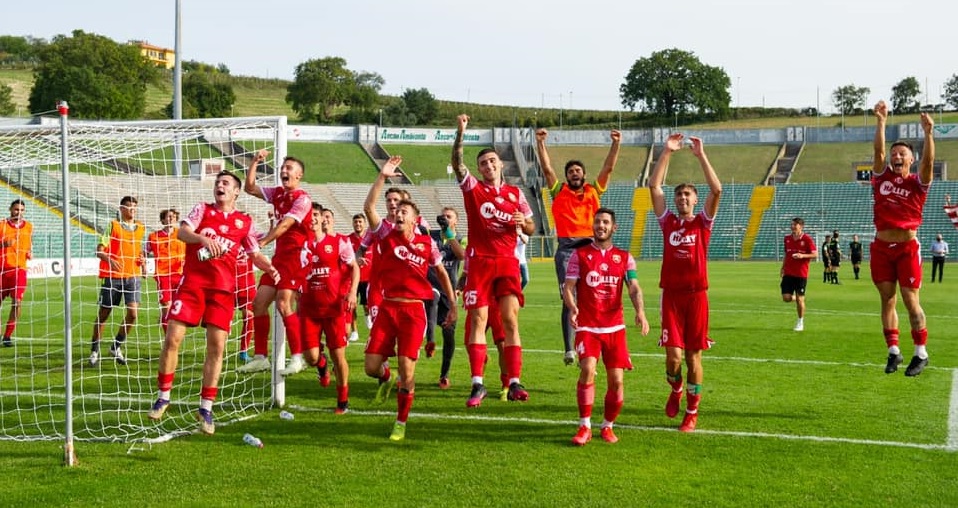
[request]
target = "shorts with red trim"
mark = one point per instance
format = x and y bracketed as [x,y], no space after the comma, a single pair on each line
[491,278]
[896,262]
[611,346]
[685,320]
[193,305]
[399,329]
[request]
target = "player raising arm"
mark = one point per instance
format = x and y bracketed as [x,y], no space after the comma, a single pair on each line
[684,277]
[207,294]
[895,252]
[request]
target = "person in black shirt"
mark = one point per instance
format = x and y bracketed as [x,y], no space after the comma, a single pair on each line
[855,252]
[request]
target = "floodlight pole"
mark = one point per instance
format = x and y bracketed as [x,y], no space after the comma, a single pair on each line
[177,88]
[69,454]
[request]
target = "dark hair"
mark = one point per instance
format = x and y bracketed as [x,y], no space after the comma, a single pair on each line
[485,151]
[397,190]
[904,144]
[798,220]
[682,186]
[167,212]
[239,183]
[317,206]
[297,161]
[409,203]
[359,216]
[127,201]
[574,162]
[17,202]
[609,211]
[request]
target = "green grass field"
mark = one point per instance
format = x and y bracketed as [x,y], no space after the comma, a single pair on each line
[787,419]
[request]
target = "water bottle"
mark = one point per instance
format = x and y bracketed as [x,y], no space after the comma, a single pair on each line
[204,254]
[252,440]
[286,415]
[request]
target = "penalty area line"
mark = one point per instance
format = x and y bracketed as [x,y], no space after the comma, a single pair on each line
[646,428]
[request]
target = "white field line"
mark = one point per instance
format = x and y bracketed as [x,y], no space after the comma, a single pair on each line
[574,423]
[952,442]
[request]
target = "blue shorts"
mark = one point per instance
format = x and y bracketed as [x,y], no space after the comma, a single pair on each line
[115,289]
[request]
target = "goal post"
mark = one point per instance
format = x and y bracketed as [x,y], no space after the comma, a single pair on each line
[71,175]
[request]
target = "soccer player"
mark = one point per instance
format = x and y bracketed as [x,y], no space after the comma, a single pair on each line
[16,247]
[168,252]
[494,210]
[121,265]
[452,248]
[855,253]
[206,295]
[939,252]
[291,205]
[574,202]
[330,263]
[405,255]
[895,252]
[684,277]
[365,267]
[800,249]
[595,277]
[834,257]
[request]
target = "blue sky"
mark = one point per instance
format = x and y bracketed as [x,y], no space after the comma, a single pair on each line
[789,53]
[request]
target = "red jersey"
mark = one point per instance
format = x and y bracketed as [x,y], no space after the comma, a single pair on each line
[492,227]
[324,260]
[294,203]
[403,263]
[685,252]
[234,231]
[367,266]
[802,245]
[600,276]
[898,200]
[952,212]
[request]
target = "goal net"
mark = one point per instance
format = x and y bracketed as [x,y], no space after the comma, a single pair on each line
[164,165]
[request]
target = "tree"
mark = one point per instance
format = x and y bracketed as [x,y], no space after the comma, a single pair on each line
[673,81]
[904,96]
[97,76]
[6,101]
[850,99]
[364,96]
[205,95]
[421,104]
[950,94]
[318,86]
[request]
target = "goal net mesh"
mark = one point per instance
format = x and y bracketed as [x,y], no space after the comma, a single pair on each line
[164,165]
